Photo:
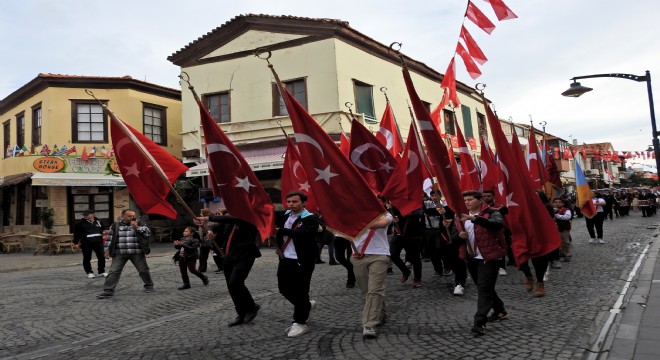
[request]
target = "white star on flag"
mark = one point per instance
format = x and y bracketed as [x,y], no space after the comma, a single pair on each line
[304,186]
[387,167]
[244,183]
[324,174]
[509,201]
[132,170]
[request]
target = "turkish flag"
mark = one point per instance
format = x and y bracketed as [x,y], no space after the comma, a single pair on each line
[449,83]
[436,150]
[233,179]
[534,163]
[345,200]
[478,18]
[145,166]
[294,177]
[404,189]
[344,144]
[436,114]
[452,161]
[501,10]
[553,173]
[534,231]
[84,156]
[473,143]
[470,66]
[469,178]
[388,133]
[491,176]
[370,157]
[472,47]
[519,156]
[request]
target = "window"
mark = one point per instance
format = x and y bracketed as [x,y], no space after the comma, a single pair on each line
[467,121]
[481,122]
[218,105]
[20,129]
[448,118]
[364,100]
[36,125]
[297,88]
[89,122]
[6,138]
[154,125]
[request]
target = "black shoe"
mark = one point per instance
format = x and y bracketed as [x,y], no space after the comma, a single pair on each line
[219,271]
[350,284]
[238,321]
[250,315]
[205,280]
[498,316]
[390,271]
[184,287]
[148,289]
[333,262]
[104,295]
[478,329]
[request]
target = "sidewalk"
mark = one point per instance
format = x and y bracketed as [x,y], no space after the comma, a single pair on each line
[637,331]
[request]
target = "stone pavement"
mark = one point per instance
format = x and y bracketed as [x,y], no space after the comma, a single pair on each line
[48,310]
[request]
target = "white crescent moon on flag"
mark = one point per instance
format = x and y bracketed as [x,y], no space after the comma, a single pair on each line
[296,165]
[484,169]
[505,171]
[389,137]
[529,158]
[357,153]
[123,142]
[211,148]
[413,162]
[308,139]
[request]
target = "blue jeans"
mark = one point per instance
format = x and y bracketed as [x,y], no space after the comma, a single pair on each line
[118,262]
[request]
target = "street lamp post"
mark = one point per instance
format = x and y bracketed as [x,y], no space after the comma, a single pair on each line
[576,90]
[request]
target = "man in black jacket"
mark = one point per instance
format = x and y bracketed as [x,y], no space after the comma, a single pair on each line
[88,236]
[296,240]
[238,240]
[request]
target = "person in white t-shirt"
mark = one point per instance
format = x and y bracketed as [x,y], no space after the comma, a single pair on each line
[370,263]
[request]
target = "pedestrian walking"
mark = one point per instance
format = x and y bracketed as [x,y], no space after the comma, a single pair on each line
[187,254]
[88,237]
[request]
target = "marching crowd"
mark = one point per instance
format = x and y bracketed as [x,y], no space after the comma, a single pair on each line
[477,243]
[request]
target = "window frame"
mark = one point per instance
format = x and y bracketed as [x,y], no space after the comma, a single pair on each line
[6,136]
[205,100]
[74,121]
[37,124]
[163,120]
[449,119]
[20,129]
[371,118]
[278,101]
[468,129]
[481,124]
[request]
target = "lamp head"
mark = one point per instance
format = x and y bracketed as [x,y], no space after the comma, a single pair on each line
[576,90]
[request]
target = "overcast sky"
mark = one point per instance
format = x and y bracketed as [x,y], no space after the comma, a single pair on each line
[531,59]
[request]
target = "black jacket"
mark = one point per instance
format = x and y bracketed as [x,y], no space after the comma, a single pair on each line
[84,228]
[302,233]
[190,248]
[244,241]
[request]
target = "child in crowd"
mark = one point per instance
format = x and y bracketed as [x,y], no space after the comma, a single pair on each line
[188,253]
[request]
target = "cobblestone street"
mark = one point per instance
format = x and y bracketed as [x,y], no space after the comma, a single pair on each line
[49,310]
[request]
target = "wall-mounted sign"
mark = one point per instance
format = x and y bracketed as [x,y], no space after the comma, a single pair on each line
[48,164]
[114,167]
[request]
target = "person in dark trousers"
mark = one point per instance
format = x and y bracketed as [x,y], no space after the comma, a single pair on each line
[412,232]
[483,237]
[238,240]
[206,245]
[296,241]
[343,252]
[188,252]
[88,236]
[128,241]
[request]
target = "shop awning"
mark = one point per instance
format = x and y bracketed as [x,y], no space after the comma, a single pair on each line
[263,159]
[76,179]
[14,179]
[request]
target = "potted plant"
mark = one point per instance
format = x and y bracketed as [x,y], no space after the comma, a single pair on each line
[47,221]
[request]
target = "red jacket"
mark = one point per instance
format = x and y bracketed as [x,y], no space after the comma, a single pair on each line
[489,234]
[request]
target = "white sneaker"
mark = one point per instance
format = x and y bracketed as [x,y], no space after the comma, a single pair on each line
[312,304]
[104,274]
[546,276]
[459,290]
[601,241]
[592,241]
[502,272]
[298,330]
[368,332]
[91,276]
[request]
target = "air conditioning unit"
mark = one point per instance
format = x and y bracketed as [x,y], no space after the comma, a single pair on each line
[587,172]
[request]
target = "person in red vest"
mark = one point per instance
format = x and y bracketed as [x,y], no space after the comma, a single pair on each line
[563,218]
[483,237]
[238,240]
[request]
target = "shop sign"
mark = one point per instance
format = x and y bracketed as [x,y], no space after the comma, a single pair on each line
[48,164]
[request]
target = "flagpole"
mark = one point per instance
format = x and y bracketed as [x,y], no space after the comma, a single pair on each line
[383,89]
[144,154]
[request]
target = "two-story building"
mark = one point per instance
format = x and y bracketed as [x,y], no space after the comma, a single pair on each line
[58,150]
[324,63]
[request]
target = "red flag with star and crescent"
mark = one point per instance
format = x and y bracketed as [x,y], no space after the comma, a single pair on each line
[438,155]
[388,133]
[404,189]
[534,232]
[146,185]
[344,144]
[233,179]
[491,175]
[469,178]
[370,157]
[346,201]
[294,177]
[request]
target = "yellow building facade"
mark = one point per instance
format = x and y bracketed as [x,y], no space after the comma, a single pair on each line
[58,151]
